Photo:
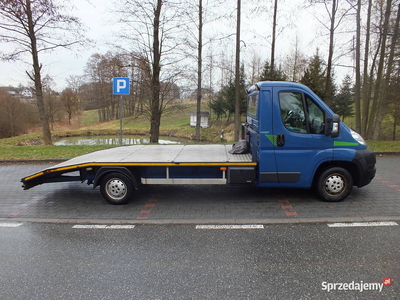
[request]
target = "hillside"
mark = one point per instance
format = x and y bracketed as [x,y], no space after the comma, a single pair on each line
[175,122]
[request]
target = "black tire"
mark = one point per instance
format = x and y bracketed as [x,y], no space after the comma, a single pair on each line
[117,188]
[334,184]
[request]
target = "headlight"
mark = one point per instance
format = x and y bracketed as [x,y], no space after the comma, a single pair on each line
[357,137]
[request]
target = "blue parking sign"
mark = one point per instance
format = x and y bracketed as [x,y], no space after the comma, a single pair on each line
[121,86]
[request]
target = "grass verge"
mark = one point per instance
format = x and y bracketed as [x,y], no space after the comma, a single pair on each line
[46,152]
[383,146]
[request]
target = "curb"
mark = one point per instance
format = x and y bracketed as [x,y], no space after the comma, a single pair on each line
[294,221]
[381,153]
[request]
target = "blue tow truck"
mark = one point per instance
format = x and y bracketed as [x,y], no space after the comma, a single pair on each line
[293,140]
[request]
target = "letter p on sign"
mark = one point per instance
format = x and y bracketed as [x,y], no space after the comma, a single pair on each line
[121,86]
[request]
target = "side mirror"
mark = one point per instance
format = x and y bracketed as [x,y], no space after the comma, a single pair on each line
[332,126]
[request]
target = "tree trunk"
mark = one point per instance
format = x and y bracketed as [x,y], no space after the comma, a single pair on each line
[37,79]
[394,125]
[366,81]
[357,88]
[328,91]
[155,119]
[389,68]
[371,116]
[296,58]
[273,42]
[155,127]
[377,94]
[199,71]
[237,74]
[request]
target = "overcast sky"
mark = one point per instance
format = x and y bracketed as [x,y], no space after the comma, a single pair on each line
[96,16]
[63,63]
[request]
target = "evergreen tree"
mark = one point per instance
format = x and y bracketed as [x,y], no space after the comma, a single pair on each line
[228,94]
[269,74]
[314,76]
[343,102]
[218,105]
[225,102]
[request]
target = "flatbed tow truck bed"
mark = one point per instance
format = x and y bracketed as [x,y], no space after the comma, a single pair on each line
[147,157]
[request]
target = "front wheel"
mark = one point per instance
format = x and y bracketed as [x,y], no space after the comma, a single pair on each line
[116,188]
[334,184]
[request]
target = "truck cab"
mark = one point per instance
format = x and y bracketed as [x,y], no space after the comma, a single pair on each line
[298,141]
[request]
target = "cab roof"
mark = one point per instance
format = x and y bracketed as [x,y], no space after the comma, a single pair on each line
[268,84]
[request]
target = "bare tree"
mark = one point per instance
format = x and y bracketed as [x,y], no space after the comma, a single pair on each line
[154,31]
[50,99]
[100,69]
[366,86]
[11,114]
[155,120]
[255,67]
[199,71]
[273,41]
[75,82]
[195,41]
[384,28]
[337,14]
[272,10]
[386,79]
[70,101]
[357,85]
[295,63]
[332,16]
[36,26]
[237,72]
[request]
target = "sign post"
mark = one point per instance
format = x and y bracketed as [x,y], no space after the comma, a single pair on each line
[121,86]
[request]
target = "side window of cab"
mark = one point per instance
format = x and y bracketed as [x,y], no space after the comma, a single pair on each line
[252,109]
[301,114]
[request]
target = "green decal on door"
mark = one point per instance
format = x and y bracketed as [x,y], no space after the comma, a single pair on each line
[272,138]
[344,144]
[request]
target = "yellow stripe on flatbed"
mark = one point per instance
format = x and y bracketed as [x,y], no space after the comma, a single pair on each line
[153,156]
[136,164]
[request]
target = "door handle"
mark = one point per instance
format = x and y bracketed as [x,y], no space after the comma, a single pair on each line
[280,142]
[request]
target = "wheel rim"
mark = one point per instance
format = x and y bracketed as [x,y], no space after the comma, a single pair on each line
[335,184]
[116,189]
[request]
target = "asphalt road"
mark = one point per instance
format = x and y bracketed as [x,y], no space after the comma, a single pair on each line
[52,254]
[76,202]
[63,261]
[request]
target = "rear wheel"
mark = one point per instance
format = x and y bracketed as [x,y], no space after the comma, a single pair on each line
[334,184]
[117,188]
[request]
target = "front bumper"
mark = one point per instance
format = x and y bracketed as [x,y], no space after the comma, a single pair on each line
[365,161]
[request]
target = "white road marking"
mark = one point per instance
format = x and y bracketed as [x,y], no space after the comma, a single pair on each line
[103,226]
[89,226]
[121,227]
[363,224]
[229,226]
[12,225]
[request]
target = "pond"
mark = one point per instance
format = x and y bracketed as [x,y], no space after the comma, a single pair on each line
[114,140]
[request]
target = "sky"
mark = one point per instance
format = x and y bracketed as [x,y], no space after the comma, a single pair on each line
[63,63]
[96,16]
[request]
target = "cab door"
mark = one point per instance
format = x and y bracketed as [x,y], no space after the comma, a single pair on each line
[299,129]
